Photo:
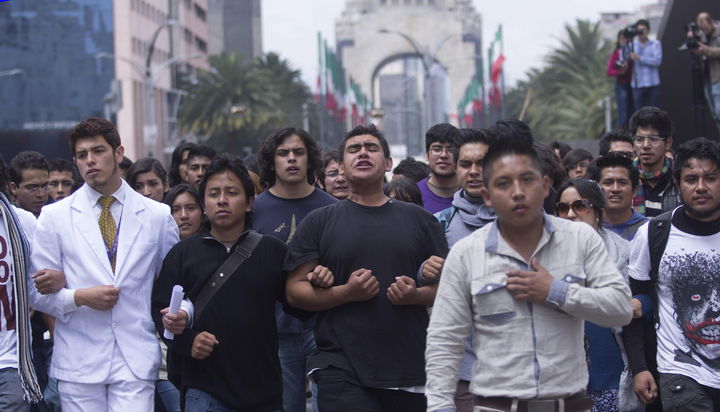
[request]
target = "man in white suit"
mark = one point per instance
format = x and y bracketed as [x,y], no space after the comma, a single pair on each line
[110,242]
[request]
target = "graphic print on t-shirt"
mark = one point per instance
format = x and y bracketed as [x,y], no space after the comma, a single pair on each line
[693,286]
[282,226]
[7,304]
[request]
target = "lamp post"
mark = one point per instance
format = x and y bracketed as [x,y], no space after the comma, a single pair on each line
[149,76]
[428,58]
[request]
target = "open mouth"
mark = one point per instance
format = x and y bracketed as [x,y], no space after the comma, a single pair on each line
[363,164]
[292,170]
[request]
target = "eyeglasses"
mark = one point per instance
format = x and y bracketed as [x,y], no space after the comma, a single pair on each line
[45,187]
[625,154]
[578,206]
[654,140]
[332,173]
[584,165]
[436,150]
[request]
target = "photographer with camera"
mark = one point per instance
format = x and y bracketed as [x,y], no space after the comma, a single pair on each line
[620,67]
[646,56]
[708,46]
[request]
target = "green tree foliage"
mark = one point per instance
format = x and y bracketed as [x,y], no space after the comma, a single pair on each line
[269,90]
[567,92]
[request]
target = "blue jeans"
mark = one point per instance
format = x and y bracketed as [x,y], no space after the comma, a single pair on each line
[201,401]
[168,394]
[294,351]
[11,393]
[625,104]
[646,96]
[712,95]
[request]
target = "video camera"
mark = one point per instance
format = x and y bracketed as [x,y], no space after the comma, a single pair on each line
[631,31]
[692,42]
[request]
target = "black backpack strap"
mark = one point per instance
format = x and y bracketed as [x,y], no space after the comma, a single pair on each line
[241,253]
[658,234]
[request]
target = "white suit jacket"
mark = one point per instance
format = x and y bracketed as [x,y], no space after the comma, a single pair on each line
[68,238]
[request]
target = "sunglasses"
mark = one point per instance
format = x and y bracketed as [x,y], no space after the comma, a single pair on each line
[578,206]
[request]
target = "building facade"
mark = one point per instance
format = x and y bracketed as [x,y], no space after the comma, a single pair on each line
[66,60]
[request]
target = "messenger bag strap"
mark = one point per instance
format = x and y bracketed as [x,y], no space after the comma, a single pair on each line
[241,253]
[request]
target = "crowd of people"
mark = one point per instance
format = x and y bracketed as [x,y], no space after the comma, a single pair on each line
[503,274]
[636,59]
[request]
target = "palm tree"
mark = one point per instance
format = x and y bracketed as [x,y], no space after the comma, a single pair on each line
[266,93]
[567,91]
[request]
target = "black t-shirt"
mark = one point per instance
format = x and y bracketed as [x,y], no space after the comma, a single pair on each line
[381,344]
[243,369]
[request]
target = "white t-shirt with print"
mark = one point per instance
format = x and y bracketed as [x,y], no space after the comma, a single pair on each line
[8,350]
[689,302]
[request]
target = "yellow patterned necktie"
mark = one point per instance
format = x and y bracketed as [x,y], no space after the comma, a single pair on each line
[108,228]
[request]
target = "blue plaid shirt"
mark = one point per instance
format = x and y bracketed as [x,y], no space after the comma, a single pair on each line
[645,70]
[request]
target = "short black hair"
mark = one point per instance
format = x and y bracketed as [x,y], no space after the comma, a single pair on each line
[614,160]
[371,130]
[176,191]
[506,147]
[125,164]
[266,155]
[575,156]
[512,129]
[405,190]
[700,148]
[62,165]
[326,159]
[224,163]
[644,22]
[441,133]
[202,151]
[590,190]
[176,160]
[614,136]
[145,165]
[562,147]
[467,136]
[412,169]
[551,165]
[27,160]
[654,117]
[95,126]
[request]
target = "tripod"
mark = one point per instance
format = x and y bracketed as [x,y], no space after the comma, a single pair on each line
[697,75]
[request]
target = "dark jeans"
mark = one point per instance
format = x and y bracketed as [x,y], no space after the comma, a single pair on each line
[337,392]
[201,401]
[681,393]
[625,104]
[646,96]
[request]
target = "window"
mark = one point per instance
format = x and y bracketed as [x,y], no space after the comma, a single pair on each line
[201,44]
[188,4]
[200,12]
[188,36]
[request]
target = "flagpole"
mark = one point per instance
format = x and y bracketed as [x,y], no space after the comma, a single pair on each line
[321,92]
[502,74]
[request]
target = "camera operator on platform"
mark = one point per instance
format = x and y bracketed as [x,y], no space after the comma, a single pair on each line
[709,48]
[647,56]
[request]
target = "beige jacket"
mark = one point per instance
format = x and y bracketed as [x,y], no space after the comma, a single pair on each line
[523,350]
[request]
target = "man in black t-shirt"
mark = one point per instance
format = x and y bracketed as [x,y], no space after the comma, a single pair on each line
[372,321]
[289,160]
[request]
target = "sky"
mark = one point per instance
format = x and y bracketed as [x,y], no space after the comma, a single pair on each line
[531,28]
